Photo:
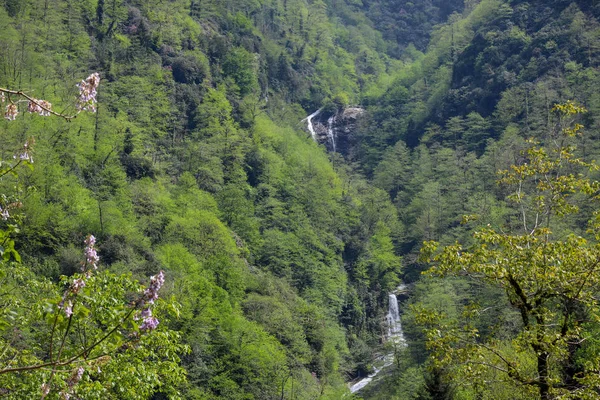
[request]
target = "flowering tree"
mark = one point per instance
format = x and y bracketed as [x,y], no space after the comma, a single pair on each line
[99,338]
[11,100]
[94,334]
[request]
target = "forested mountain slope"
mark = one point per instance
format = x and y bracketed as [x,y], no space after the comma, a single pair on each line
[276,263]
[277,257]
[486,83]
[481,98]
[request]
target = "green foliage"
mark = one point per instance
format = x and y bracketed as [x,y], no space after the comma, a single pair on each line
[101,337]
[183,168]
[549,280]
[280,256]
[241,65]
[379,265]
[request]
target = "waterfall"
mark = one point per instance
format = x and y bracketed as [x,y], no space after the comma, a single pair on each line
[395,332]
[330,130]
[330,133]
[395,335]
[311,128]
[393,317]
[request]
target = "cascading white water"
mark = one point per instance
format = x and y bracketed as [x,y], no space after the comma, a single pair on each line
[365,381]
[393,316]
[308,120]
[395,334]
[330,133]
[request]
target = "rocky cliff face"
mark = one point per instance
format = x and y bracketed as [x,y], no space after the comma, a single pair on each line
[336,131]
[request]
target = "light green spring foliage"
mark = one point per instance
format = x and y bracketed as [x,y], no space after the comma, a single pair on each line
[441,125]
[549,279]
[194,164]
[184,169]
[43,348]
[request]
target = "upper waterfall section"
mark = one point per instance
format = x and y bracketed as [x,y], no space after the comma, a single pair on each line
[336,130]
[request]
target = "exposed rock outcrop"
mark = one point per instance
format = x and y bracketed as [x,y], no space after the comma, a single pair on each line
[335,130]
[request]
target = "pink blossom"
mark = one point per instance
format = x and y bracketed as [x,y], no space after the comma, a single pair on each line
[26,155]
[90,240]
[76,377]
[146,313]
[91,256]
[156,282]
[77,285]
[40,107]
[46,107]
[149,324]
[88,89]
[34,107]
[68,308]
[150,295]
[11,112]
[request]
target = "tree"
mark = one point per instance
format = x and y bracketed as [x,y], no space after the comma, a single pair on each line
[550,277]
[242,66]
[476,132]
[101,337]
[379,263]
[393,172]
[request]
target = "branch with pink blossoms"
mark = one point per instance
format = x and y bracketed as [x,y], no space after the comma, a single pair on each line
[74,296]
[86,101]
[149,322]
[100,321]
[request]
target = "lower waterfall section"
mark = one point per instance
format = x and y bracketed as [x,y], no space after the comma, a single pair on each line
[395,335]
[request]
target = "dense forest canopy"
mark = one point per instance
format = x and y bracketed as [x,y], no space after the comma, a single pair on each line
[172,230]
